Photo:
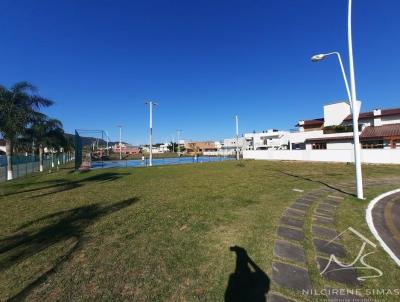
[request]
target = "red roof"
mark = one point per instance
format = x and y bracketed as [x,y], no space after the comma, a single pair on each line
[370,114]
[381,131]
[315,122]
[329,139]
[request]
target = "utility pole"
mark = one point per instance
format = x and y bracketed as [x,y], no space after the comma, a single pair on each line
[120,141]
[108,152]
[355,108]
[237,137]
[151,104]
[179,148]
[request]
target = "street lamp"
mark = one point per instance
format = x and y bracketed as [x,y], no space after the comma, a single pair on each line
[237,137]
[120,141]
[352,100]
[320,57]
[151,104]
[108,153]
[178,146]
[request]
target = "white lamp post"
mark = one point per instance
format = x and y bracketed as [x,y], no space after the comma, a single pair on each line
[120,142]
[351,92]
[322,56]
[108,153]
[237,137]
[151,104]
[178,146]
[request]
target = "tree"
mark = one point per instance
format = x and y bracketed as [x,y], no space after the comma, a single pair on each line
[46,133]
[172,147]
[19,107]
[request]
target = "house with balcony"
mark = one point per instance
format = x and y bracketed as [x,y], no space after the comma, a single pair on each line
[200,147]
[379,129]
[267,140]
[125,149]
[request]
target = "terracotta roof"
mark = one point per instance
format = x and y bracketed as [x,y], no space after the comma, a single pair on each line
[381,131]
[370,114]
[314,122]
[329,139]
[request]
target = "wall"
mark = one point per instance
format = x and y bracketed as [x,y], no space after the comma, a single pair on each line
[221,152]
[3,148]
[334,114]
[373,156]
[386,120]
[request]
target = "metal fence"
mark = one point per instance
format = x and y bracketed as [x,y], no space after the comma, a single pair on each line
[157,161]
[24,165]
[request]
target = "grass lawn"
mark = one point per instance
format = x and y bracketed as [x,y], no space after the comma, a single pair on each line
[161,233]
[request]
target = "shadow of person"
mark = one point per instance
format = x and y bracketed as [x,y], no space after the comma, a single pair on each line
[248,282]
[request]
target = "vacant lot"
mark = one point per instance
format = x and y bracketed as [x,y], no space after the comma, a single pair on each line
[162,233]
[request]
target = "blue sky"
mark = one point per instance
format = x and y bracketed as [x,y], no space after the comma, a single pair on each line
[202,61]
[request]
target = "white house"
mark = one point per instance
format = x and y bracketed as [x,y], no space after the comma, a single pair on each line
[379,129]
[230,144]
[270,139]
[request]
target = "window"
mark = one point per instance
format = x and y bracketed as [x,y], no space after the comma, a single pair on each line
[319,146]
[300,146]
[376,144]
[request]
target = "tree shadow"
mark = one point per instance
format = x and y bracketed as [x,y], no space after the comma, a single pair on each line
[248,283]
[317,181]
[63,226]
[62,185]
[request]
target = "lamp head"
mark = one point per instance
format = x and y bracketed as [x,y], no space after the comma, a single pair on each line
[318,57]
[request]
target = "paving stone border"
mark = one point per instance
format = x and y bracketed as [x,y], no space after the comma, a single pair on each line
[291,276]
[293,222]
[290,234]
[290,265]
[323,232]
[289,247]
[290,251]
[347,276]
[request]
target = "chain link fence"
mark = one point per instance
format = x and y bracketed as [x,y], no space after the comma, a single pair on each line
[24,165]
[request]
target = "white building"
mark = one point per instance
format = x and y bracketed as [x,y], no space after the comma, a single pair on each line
[230,144]
[218,145]
[270,139]
[379,129]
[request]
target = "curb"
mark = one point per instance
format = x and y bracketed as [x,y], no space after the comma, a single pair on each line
[371,225]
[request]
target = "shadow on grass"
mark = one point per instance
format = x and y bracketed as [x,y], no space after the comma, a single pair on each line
[63,226]
[248,282]
[62,185]
[317,181]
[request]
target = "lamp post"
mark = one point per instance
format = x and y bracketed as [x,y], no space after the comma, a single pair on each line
[322,56]
[178,146]
[107,142]
[237,137]
[120,141]
[151,104]
[351,92]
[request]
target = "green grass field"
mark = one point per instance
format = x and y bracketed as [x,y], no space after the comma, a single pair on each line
[160,233]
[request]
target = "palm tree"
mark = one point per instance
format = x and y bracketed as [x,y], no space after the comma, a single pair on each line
[19,107]
[46,133]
